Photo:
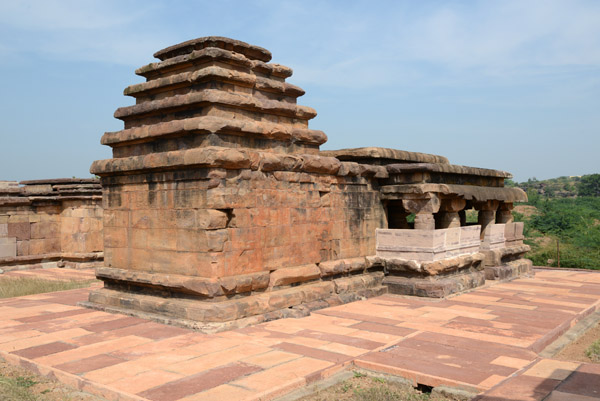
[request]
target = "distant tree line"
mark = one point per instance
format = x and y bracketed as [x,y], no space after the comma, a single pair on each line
[561,187]
[565,228]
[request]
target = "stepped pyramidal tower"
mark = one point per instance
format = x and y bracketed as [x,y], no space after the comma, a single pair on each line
[221,211]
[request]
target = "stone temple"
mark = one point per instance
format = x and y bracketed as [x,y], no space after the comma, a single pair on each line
[221,211]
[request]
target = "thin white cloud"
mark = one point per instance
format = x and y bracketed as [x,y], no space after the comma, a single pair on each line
[60,15]
[101,31]
[458,41]
[355,43]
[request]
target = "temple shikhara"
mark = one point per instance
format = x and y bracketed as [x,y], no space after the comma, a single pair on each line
[220,210]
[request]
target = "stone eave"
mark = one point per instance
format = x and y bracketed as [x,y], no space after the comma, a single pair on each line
[445,168]
[215,73]
[389,155]
[212,96]
[467,192]
[213,125]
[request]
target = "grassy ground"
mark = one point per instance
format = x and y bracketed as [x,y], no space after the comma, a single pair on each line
[19,286]
[585,349]
[17,384]
[363,387]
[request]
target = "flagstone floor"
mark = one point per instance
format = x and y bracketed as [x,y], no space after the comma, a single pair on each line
[486,340]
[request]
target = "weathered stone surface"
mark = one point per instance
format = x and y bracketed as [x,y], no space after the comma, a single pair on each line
[292,275]
[468,192]
[496,257]
[8,247]
[46,219]
[427,245]
[341,266]
[250,51]
[433,268]
[439,287]
[445,168]
[510,270]
[374,155]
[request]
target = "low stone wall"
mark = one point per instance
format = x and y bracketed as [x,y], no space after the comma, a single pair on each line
[50,222]
[427,245]
[504,252]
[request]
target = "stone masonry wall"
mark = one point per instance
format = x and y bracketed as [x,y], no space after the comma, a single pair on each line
[244,222]
[50,222]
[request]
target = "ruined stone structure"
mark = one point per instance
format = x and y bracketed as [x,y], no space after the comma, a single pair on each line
[49,223]
[220,210]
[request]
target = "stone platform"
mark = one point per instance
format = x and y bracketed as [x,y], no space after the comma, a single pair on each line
[53,274]
[487,340]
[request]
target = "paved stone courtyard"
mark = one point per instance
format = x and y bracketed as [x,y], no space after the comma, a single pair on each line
[487,340]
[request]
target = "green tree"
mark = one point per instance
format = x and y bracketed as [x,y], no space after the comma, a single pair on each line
[533,197]
[589,185]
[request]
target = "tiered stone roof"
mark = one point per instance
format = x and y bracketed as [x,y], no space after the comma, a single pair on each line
[212,93]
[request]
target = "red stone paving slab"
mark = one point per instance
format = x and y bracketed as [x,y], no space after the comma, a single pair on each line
[521,388]
[146,329]
[117,323]
[474,340]
[89,364]
[383,328]
[52,316]
[203,381]
[477,327]
[584,381]
[469,346]
[440,361]
[43,350]
[357,316]
[314,352]
[341,339]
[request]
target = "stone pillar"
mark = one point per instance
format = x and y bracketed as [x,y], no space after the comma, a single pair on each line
[423,208]
[504,213]
[448,216]
[486,214]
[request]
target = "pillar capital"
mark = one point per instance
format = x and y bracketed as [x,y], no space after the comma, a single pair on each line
[453,205]
[489,205]
[428,204]
[423,207]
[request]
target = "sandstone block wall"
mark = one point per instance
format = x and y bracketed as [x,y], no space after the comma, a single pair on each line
[50,221]
[244,221]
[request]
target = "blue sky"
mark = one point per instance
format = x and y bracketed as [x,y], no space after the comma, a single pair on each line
[511,85]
